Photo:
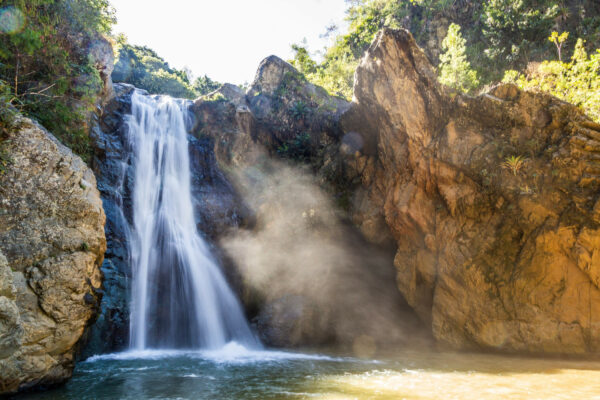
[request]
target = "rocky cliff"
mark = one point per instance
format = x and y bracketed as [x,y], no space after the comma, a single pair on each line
[308,277]
[51,246]
[490,202]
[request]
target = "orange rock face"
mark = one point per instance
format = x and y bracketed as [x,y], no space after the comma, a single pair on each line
[492,201]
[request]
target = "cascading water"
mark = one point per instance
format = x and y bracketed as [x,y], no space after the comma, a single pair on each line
[180,298]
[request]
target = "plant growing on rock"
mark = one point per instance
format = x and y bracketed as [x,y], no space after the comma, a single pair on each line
[216,97]
[299,110]
[513,164]
[297,149]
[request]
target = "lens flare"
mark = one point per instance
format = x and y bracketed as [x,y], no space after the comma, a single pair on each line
[12,20]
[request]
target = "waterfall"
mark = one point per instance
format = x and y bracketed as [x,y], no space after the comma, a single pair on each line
[180,298]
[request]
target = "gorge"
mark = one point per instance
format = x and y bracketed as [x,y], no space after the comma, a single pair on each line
[369,228]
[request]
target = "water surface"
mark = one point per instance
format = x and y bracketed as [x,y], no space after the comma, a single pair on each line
[237,373]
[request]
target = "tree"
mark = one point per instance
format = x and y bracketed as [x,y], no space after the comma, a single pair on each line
[512,29]
[455,69]
[558,41]
[302,60]
[204,85]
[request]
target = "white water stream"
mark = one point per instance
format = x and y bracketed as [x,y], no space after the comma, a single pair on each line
[180,298]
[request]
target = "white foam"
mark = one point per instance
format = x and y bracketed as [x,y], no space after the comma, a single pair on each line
[231,353]
[234,352]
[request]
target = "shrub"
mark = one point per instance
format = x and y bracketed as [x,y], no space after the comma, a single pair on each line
[577,82]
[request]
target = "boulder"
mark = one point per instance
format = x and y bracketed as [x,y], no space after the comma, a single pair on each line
[51,246]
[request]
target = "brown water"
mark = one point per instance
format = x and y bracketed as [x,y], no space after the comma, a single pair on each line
[237,373]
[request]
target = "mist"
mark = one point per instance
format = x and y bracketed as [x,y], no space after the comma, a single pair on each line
[314,278]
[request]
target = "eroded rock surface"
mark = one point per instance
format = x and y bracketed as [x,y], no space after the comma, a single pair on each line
[51,246]
[492,202]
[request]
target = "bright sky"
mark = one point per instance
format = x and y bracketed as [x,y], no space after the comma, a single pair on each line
[225,39]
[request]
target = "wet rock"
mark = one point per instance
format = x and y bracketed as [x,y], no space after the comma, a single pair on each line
[284,116]
[111,164]
[217,209]
[293,321]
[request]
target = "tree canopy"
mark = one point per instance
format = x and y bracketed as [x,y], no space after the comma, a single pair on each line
[143,68]
[498,34]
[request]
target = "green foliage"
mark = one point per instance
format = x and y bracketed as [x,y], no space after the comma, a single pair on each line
[365,18]
[8,113]
[335,74]
[454,69]
[512,29]
[216,97]
[204,85]
[45,62]
[577,82]
[143,68]
[558,41]
[302,61]
[499,34]
[299,110]
[8,116]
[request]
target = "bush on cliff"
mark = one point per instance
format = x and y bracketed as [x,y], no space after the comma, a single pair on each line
[576,82]
[143,68]
[45,62]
